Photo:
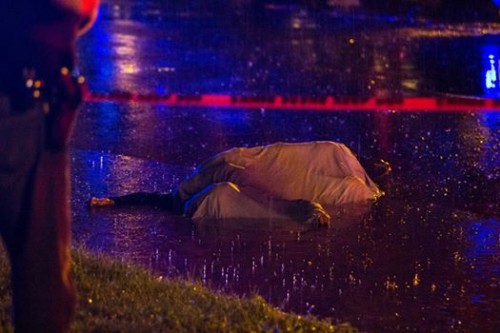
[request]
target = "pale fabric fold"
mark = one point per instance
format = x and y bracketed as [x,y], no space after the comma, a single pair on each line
[322,172]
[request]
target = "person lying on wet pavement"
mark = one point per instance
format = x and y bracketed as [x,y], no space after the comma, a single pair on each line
[278,181]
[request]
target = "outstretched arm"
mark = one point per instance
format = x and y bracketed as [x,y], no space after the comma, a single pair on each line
[156,199]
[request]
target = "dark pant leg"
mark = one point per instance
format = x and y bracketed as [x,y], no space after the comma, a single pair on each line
[41,272]
[35,224]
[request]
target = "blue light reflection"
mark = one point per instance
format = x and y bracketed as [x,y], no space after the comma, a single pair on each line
[490,56]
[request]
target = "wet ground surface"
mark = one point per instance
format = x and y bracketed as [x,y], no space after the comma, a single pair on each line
[426,257]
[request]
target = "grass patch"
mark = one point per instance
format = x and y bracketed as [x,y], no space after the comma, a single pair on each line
[117,297]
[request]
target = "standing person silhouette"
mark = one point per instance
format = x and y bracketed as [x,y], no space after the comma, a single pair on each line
[38,103]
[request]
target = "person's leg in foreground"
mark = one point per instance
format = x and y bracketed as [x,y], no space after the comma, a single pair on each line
[35,223]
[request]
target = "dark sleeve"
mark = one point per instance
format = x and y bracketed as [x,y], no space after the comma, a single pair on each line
[155,199]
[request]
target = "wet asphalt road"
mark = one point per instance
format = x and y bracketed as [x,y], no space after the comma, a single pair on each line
[426,257]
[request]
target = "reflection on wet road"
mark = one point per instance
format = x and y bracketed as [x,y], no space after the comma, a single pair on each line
[426,257]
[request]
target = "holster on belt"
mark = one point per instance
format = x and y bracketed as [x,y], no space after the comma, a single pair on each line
[61,107]
[59,100]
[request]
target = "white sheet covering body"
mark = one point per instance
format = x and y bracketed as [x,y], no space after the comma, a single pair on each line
[256,182]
